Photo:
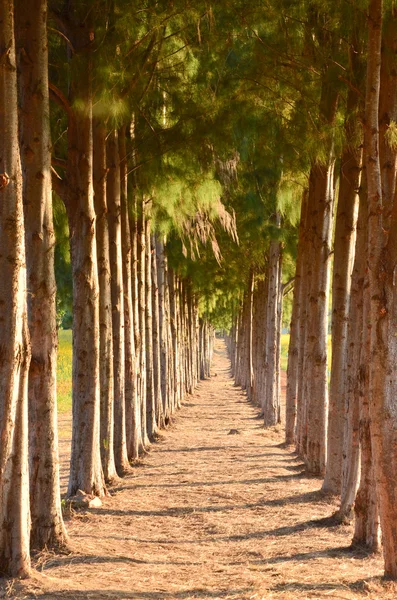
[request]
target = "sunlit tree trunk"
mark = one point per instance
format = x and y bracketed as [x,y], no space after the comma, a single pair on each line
[158,401]
[47,528]
[85,466]
[105,305]
[132,404]
[116,263]
[14,342]
[294,340]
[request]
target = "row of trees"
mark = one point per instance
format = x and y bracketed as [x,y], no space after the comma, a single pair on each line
[139,343]
[157,113]
[341,422]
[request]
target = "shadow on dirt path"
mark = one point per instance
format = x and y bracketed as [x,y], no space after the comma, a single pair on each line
[210,515]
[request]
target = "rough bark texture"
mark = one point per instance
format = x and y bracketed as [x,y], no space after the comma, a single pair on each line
[150,391]
[382,265]
[163,328]
[293,348]
[271,407]
[105,305]
[14,344]
[321,196]
[47,528]
[351,450]
[141,245]
[156,337]
[116,264]
[132,405]
[85,466]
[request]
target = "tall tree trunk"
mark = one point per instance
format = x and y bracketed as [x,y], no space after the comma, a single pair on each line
[351,450]
[141,254]
[47,527]
[105,305]
[163,325]
[85,465]
[132,404]
[366,525]
[321,196]
[294,340]
[271,408]
[116,262]
[350,176]
[382,265]
[158,401]
[150,396]
[14,342]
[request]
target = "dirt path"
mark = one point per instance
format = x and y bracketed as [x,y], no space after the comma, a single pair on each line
[211,514]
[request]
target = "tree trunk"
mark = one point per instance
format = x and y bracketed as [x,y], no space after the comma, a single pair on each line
[116,264]
[132,404]
[158,401]
[47,528]
[271,407]
[350,176]
[321,197]
[85,464]
[351,450]
[366,525]
[382,266]
[141,253]
[150,395]
[163,325]
[105,305]
[294,339]
[14,342]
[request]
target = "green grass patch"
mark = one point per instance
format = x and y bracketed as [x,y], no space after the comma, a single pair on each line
[64,371]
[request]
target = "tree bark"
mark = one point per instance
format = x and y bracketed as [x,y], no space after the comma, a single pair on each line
[117,289]
[105,305]
[294,340]
[158,401]
[132,404]
[141,254]
[85,466]
[321,197]
[271,407]
[163,325]
[47,527]
[14,341]
[351,449]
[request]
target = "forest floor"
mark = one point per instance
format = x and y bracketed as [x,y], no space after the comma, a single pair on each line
[208,514]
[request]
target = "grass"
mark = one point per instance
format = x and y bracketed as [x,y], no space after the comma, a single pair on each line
[64,371]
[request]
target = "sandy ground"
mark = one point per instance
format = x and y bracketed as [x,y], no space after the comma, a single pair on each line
[209,514]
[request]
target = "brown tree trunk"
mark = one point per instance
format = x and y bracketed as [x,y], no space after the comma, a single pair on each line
[85,466]
[163,325]
[294,340]
[47,528]
[141,254]
[366,525]
[116,264]
[150,395]
[105,305]
[350,176]
[351,450]
[382,266]
[321,197]
[158,401]
[271,406]
[14,342]
[132,404]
